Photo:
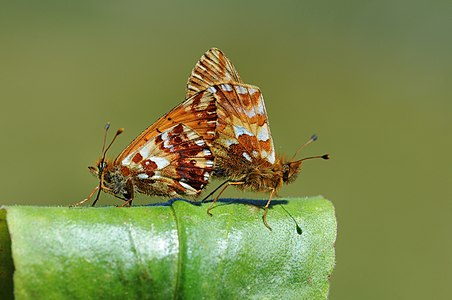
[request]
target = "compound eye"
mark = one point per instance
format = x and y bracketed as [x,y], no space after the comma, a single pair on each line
[285,173]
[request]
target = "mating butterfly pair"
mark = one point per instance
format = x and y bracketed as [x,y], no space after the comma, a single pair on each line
[221,129]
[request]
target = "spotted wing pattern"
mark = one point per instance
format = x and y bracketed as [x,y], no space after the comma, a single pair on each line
[242,123]
[175,162]
[198,112]
[242,119]
[172,157]
[213,68]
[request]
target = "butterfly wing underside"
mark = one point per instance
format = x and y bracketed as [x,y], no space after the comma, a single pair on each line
[212,68]
[172,156]
[175,162]
[242,118]
[242,123]
[198,112]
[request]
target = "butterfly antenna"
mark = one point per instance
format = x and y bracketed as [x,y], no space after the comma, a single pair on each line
[104,152]
[324,156]
[107,126]
[312,139]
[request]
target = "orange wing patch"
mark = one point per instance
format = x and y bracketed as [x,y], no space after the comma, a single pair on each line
[176,162]
[242,120]
[198,113]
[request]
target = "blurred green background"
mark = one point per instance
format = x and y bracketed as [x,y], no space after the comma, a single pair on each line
[372,78]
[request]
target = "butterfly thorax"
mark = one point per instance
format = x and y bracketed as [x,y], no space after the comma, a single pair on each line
[258,175]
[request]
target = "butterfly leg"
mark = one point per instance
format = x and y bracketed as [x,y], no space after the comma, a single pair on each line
[87,198]
[127,203]
[266,209]
[214,191]
[229,183]
[128,196]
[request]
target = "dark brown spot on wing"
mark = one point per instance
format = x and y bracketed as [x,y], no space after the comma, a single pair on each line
[148,165]
[137,158]
[177,129]
[125,171]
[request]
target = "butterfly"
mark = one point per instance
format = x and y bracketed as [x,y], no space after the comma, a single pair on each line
[243,145]
[170,158]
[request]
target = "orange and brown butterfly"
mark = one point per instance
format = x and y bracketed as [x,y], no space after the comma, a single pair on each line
[170,158]
[243,146]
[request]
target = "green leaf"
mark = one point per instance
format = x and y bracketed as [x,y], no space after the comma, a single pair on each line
[169,251]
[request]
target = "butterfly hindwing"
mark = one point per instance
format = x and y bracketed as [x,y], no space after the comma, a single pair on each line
[242,122]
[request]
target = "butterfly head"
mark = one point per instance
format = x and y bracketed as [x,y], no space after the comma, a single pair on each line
[102,167]
[290,171]
[102,164]
[292,168]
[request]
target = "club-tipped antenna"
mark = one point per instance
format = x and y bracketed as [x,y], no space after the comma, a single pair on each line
[312,139]
[107,126]
[120,130]
[324,156]
[105,150]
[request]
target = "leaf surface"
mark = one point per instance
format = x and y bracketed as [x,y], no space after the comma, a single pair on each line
[171,251]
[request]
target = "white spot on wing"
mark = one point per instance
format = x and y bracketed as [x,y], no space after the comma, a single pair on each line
[250,112]
[206,152]
[126,161]
[196,75]
[165,136]
[200,142]
[271,157]
[252,91]
[247,156]
[260,107]
[206,176]
[160,162]
[239,130]
[166,144]
[255,153]
[188,187]
[231,142]
[158,177]
[212,89]
[143,176]
[145,151]
[226,87]
[240,89]
[262,133]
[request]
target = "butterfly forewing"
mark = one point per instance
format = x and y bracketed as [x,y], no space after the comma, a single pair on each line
[198,112]
[175,162]
[213,68]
